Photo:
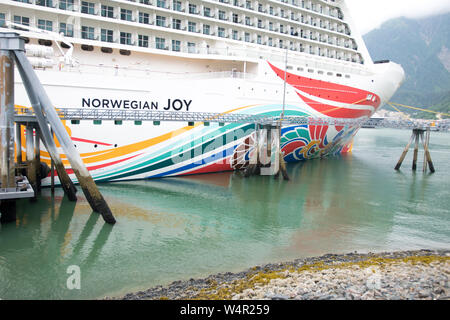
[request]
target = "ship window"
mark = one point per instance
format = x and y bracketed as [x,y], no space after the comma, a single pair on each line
[160,43]
[107,11]
[144,18]
[143,41]
[66,29]
[338,75]
[347,76]
[118,122]
[75,121]
[206,124]
[125,38]
[207,12]
[106,35]
[192,9]
[2,20]
[176,44]
[191,47]
[192,26]
[86,47]
[106,50]
[67,5]
[329,73]
[161,3]
[124,52]
[45,24]
[290,67]
[87,33]
[156,123]
[87,7]
[138,123]
[97,122]
[176,24]
[300,69]
[126,15]
[177,5]
[191,123]
[21,20]
[320,72]
[160,21]
[311,70]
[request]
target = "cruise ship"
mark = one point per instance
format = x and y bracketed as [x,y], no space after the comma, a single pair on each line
[251,57]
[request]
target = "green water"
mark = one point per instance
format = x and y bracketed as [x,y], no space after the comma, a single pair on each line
[181,228]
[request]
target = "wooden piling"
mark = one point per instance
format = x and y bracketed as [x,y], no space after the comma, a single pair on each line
[425,143]
[19,159]
[31,163]
[48,140]
[416,133]
[283,167]
[37,158]
[425,163]
[7,167]
[90,190]
[402,157]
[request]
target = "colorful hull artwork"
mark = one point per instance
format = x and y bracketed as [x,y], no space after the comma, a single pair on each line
[206,149]
[188,150]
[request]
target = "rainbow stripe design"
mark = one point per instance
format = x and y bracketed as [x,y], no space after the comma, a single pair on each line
[204,149]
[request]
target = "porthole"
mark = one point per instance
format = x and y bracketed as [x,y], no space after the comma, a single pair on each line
[86,47]
[106,50]
[44,42]
[124,52]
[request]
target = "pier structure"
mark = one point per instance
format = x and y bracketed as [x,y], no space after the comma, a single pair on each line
[422,134]
[46,121]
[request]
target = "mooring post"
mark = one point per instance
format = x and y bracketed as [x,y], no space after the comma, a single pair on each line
[253,159]
[425,163]
[31,163]
[90,190]
[400,161]
[7,167]
[19,159]
[37,157]
[426,143]
[52,172]
[48,140]
[416,149]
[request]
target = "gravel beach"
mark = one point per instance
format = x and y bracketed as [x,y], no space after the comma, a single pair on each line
[412,275]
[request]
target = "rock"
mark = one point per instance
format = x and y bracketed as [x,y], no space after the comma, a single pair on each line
[424,294]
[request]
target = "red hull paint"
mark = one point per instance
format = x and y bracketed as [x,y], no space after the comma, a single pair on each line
[332,92]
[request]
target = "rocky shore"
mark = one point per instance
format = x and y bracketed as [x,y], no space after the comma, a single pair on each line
[415,275]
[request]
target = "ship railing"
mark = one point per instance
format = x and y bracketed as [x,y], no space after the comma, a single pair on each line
[27,114]
[115,70]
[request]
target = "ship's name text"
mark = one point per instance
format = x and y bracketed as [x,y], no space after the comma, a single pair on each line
[172,104]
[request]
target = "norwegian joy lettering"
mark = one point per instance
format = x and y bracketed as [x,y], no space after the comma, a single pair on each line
[172,104]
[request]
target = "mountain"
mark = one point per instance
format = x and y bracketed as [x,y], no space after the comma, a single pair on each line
[422,47]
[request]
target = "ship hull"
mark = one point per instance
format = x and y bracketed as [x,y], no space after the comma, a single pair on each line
[128,150]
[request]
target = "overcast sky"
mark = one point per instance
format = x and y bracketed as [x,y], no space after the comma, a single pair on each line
[370,14]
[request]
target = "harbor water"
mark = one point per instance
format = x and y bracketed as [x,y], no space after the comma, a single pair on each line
[181,228]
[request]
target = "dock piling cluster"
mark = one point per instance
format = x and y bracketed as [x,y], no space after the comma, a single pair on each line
[422,134]
[267,158]
[12,52]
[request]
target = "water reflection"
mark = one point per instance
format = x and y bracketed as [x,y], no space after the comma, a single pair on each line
[178,228]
